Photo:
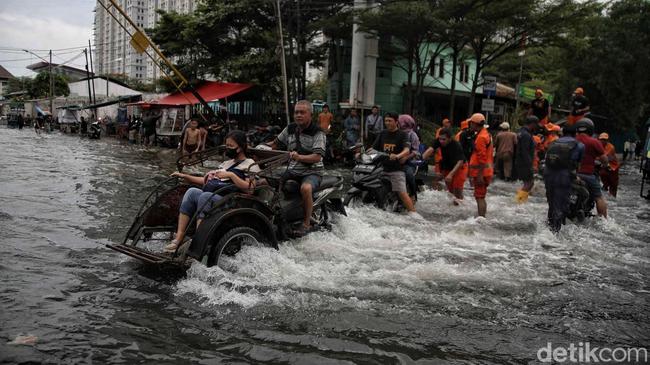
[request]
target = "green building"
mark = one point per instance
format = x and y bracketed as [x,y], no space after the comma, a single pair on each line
[390,89]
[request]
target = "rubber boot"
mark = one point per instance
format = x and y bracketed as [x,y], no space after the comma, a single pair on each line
[521,197]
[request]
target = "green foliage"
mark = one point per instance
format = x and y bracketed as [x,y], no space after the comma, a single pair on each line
[39,87]
[317,90]
[237,41]
[604,52]
[16,84]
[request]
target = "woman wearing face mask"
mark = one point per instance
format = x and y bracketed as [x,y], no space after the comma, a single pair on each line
[230,176]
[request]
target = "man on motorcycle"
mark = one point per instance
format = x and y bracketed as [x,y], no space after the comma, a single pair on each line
[394,142]
[593,151]
[562,159]
[306,143]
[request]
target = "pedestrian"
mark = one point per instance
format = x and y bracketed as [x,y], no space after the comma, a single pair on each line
[446,123]
[83,126]
[552,134]
[627,148]
[540,107]
[638,148]
[593,151]
[192,139]
[325,119]
[407,125]
[505,143]
[352,126]
[524,156]
[466,138]
[453,164]
[579,106]
[374,125]
[480,162]
[609,172]
[562,159]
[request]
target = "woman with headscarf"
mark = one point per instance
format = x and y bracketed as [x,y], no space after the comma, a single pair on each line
[407,125]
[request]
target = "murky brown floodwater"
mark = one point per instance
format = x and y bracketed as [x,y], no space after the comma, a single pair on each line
[377,289]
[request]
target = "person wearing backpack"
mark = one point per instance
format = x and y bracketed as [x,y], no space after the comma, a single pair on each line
[562,159]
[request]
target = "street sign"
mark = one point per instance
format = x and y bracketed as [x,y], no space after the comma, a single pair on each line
[487,105]
[490,86]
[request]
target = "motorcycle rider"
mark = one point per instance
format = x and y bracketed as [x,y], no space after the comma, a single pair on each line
[395,142]
[306,143]
[593,151]
[407,124]
[562,159]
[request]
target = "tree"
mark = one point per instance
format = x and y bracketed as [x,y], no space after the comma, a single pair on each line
[16,84]
[237,41]
[600,52]
[408,43]
[40,86]
[499,27]
[317,90]
[450,28]
[613,68]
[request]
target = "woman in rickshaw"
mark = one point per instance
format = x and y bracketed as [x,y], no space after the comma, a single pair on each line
[229,177]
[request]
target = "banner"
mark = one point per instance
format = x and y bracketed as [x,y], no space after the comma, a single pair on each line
[529,93]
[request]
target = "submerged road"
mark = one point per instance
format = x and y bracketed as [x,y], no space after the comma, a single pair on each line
[378,289]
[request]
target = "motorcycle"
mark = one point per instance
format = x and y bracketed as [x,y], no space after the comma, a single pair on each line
[266,216]
[95,130]
[371,186]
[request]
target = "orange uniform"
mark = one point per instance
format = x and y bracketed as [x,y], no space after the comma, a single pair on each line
[610,151]
[609,178]
[539,147]
[481,162]
[548,140]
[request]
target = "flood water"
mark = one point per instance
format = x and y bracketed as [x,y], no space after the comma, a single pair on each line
[377,289]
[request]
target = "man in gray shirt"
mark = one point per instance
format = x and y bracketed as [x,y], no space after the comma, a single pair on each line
[306,143]
[374,125]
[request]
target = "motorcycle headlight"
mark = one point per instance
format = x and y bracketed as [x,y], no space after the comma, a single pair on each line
[365,158]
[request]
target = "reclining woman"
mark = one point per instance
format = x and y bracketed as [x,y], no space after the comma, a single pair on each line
[229,176]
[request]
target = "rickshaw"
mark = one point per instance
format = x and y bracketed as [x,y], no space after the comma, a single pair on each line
[265,215]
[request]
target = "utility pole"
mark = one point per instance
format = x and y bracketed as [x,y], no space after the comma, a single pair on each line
[51,88]
[283,64]
[300,92]
[92,72]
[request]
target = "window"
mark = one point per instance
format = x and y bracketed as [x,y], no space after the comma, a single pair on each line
[438,68]
[464,72]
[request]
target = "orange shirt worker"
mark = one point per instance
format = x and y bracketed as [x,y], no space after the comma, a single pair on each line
[481,161]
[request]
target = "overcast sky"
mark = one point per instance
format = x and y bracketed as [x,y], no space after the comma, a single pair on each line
[40,25]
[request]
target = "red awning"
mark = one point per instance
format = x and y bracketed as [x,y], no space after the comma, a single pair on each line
[209,91]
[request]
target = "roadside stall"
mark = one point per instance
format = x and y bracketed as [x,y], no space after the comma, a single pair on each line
[69,118]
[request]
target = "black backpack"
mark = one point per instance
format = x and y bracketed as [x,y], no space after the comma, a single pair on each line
[558,156]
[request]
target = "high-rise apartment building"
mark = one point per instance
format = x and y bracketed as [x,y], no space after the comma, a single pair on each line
[113,52]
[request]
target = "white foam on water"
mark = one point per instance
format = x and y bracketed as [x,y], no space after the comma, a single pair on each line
[373,257]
